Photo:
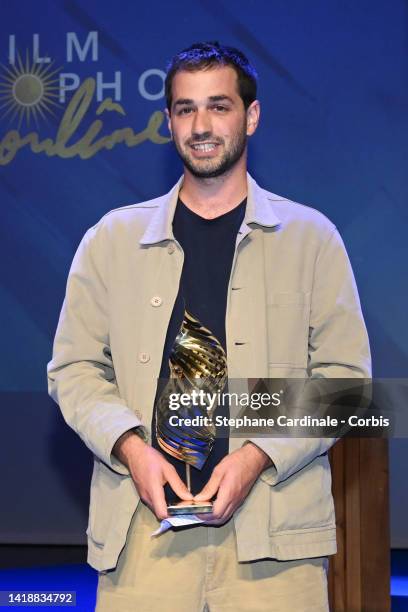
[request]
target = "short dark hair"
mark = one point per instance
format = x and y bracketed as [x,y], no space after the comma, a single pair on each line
[207,55]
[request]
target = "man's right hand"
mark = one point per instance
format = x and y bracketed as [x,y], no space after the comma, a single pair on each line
[150,472]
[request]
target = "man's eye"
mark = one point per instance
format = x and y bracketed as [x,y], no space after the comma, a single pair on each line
[185,111]
[220,108]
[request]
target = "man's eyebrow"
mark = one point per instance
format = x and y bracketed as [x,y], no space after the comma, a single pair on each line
[183,101]
[220,98]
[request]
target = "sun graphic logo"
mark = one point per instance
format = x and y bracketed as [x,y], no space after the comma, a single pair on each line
[34,90]
[29,91]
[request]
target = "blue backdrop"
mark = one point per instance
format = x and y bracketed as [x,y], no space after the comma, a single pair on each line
[82,131]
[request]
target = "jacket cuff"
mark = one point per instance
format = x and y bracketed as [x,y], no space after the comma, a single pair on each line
[270,474]
[126,423]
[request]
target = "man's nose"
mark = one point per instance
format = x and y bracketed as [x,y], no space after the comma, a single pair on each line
[201,128]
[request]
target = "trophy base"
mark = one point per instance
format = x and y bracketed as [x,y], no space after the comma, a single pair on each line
[190,507]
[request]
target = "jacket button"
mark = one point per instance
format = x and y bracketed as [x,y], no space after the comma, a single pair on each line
[171,248]
[156,301]
[144,357]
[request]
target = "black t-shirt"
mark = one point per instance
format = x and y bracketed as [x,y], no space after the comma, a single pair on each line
[208,246]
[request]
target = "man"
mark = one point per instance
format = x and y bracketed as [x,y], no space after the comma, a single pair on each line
[271,282]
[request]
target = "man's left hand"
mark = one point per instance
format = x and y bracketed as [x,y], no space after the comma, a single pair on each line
[231,480]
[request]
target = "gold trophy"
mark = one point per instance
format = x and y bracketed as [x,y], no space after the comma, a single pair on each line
[198,366]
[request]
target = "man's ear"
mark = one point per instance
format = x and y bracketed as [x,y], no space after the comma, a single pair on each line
[253,113]
[167,113]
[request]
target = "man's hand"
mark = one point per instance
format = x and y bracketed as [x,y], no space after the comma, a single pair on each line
[150,472]
[232,478]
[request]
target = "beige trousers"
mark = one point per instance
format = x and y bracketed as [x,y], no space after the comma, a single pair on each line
[192,569]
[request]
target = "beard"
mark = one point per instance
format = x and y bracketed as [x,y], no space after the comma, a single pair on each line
[211,168]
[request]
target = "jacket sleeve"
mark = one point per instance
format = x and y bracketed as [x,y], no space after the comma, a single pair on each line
[338,348]
[81,376]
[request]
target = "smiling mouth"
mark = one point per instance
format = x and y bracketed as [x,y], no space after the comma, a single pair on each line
[205,146]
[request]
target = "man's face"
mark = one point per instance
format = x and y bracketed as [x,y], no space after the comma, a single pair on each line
[208,120]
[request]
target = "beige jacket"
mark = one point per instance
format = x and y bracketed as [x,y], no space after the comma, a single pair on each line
[293,310]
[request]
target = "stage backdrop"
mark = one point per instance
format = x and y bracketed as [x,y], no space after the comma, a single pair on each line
[82,131]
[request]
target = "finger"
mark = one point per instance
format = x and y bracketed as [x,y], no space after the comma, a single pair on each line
[210,488]
[213,519]
[158,502]
[222,504]
[178,485]
[223,500]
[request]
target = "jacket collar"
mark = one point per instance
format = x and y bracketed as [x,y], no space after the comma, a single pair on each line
[258,211]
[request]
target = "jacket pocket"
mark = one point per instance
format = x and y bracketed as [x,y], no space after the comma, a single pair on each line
[304,501]
[288,328]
